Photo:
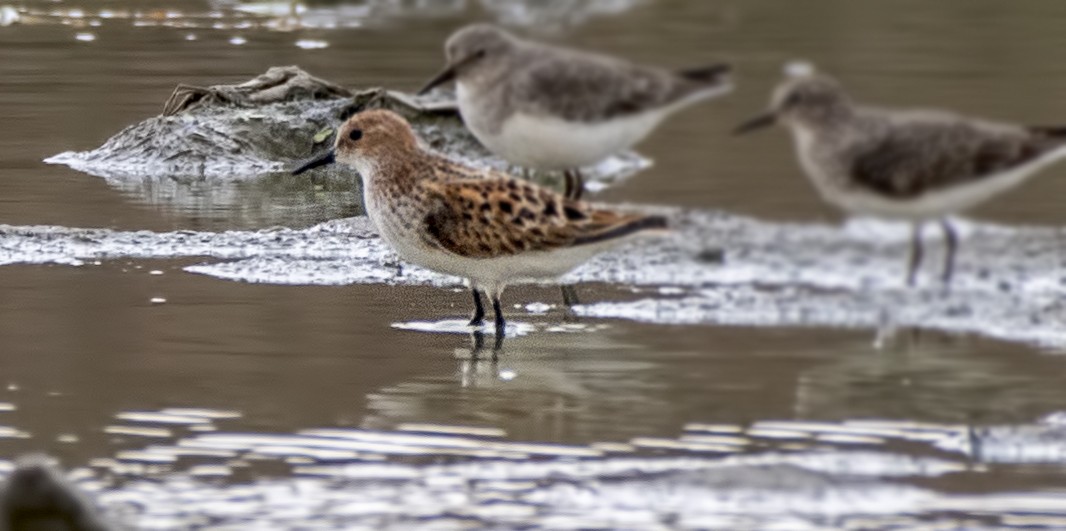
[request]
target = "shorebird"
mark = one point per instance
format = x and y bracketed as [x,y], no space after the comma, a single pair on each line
[914,165]
[485,226]
[550,108]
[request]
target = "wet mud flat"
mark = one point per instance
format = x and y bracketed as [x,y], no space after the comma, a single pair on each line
[715,269]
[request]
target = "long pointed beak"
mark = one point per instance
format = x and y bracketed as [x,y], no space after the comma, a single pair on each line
[324,159]
[761,121]
[441,78]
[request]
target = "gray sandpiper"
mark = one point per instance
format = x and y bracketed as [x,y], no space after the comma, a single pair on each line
[551,108]
[912,165]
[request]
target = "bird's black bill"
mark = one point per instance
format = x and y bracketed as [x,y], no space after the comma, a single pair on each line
[441,78]
[759,122]
[322,160]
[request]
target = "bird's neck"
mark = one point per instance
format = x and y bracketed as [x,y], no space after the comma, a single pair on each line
[826,122]
[490,76]
[396,172]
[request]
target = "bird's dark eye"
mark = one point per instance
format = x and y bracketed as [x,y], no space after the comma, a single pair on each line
[793,99]
[355,134]
[480,53]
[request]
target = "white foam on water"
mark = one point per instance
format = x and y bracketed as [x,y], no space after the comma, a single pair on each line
[311,44]
[538,308]
[462,326]
[159,418]
[9,15]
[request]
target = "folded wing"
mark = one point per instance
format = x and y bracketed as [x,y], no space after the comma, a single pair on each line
[494,217]
[925,157]
[601,88]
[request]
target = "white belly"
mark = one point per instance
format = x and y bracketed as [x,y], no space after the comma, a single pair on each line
[406,242]
[493,274]
[551,143]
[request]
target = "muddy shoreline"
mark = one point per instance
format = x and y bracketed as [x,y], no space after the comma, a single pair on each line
[716,269]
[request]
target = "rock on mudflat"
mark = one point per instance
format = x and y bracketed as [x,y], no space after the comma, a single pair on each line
[248,130]
[225,131]
[36,495]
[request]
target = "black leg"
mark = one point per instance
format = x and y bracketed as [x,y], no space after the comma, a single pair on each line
[478,346]
[479,309]
[575,184]
[501,325]
[916,253]
[477,343]
[569,295]
[951,243]
[569,300]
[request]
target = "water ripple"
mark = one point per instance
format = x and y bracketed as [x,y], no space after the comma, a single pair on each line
[793,474]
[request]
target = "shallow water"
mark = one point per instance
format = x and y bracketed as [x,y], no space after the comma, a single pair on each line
[198,364]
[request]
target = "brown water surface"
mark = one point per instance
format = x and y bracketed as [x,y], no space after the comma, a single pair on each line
[79,345]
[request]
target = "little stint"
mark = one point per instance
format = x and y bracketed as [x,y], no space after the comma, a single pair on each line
[481,225]
[913,165]
[549,108]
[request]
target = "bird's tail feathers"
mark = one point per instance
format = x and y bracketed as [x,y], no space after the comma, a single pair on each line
[623,226]
[715,73]
[1054,131]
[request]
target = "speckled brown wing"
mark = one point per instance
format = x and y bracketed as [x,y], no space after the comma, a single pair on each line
[439,167]
[929,157]
[493,217]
